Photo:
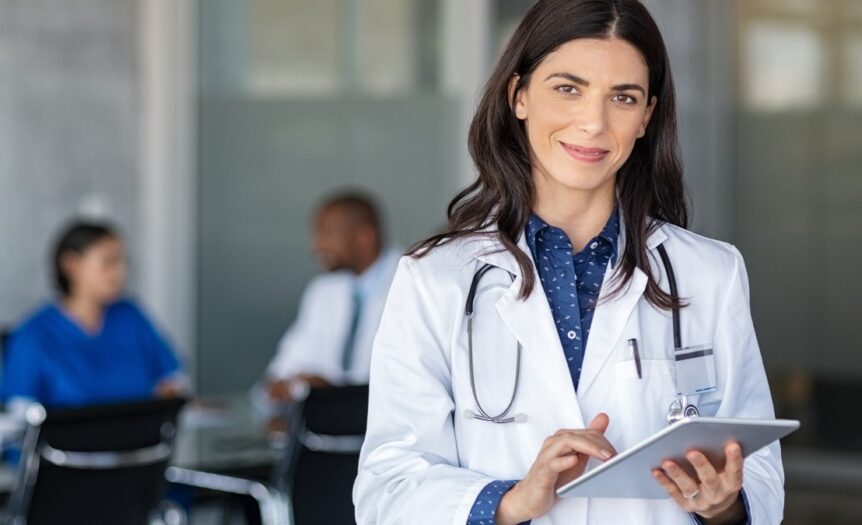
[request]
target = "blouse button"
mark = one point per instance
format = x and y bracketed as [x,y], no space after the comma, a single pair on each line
[594,245]
[571,334]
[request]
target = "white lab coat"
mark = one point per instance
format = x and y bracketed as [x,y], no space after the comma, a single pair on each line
[424,462]
[314,343]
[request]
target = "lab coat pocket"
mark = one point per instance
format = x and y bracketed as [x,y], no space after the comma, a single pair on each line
[642,402]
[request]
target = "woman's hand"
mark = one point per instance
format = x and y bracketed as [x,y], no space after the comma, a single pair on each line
[715,496]
[563,457]
[169,389]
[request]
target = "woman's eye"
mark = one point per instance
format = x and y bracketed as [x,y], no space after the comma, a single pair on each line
[626,99]
[566,89]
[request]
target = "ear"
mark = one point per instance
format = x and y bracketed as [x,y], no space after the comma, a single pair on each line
[516,98]
[69,263]
[647,116]
[366,234]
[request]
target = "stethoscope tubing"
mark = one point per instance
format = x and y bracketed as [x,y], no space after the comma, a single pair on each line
[470,312]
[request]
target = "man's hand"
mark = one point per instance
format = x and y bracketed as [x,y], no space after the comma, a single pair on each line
[294,388]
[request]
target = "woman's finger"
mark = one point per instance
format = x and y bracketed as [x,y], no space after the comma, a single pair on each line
[686,483]
[562,464]
[709,477]
[590,443]
[600,422]
[733,467]
[671,488]
[590,435]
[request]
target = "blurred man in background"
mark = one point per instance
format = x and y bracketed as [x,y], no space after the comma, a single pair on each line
[329,342]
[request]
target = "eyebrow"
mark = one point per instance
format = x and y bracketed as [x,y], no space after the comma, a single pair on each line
[582,82]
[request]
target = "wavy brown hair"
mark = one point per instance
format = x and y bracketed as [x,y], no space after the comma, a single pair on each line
[649,184]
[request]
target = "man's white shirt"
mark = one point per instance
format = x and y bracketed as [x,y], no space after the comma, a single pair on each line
[315,342]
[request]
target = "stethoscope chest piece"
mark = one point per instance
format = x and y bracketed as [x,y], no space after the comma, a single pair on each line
[679,409]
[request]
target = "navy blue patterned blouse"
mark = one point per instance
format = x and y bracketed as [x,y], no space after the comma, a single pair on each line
[572,285]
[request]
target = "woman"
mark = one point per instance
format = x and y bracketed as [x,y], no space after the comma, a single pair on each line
[579,194]
[90,345]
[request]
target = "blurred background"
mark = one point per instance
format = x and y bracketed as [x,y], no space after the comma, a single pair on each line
[208,130]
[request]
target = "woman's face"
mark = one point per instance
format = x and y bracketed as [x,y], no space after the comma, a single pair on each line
[99,272]
[583,108]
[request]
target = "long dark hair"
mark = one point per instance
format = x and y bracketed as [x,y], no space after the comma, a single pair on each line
[77,237]
[649,185]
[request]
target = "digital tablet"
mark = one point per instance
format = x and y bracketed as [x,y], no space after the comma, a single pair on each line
[629,474]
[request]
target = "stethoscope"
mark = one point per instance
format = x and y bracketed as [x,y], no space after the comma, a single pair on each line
[470,311]
[679,408]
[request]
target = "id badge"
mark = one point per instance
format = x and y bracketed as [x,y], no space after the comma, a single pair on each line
[695,370]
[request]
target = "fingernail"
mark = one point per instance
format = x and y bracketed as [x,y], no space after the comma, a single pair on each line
[606,454]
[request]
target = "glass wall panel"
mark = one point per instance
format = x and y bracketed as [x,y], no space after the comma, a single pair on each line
[799,224]
[783,66]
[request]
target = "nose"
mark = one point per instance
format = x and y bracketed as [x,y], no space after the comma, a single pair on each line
[591,118]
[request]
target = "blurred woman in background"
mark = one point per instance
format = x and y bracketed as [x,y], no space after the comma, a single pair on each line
[91,344]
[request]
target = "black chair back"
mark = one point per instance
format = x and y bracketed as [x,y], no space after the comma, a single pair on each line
[326,460]
[98,464]
[337,411]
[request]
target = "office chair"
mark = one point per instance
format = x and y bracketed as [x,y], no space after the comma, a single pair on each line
[321,459]
[95,465]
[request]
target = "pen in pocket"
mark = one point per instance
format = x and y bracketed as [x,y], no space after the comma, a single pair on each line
[633,344]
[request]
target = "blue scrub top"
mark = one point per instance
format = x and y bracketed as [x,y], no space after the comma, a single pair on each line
[51,359]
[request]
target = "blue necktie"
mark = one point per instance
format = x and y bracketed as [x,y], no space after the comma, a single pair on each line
[350,341]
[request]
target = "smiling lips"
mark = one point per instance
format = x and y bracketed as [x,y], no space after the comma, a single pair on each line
[585,154]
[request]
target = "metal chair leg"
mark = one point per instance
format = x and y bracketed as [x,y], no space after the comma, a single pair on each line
[275,507]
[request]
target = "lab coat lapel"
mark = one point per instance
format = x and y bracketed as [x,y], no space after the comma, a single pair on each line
[531,322]
[612,315]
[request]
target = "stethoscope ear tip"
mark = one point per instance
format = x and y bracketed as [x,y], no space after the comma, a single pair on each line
[520,418]
[468,414]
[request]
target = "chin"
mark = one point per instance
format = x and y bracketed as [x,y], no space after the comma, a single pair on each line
[332,265]
[112,297]
[579,181]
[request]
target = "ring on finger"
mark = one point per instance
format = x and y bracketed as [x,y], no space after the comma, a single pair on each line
[692,495]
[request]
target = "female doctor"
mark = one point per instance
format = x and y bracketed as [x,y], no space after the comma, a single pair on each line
[536,335]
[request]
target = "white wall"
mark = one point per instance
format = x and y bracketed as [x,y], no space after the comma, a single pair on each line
[96,119]
[68,108]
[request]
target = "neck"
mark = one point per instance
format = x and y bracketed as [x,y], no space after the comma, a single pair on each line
[365,261]
[88,312]
[580,213]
